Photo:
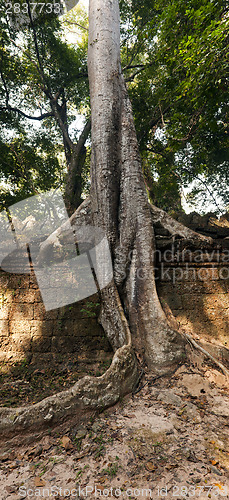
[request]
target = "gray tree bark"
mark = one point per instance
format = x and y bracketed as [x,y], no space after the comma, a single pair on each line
[119,201]
[119,204]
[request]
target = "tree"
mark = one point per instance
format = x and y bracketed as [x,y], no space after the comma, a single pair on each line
[119,205]
[131,314]
[178,93]
[119,201]
[170,54]
[43,80]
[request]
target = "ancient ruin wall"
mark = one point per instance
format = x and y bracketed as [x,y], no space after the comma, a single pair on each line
[28,332]
[195,287]
[197,294]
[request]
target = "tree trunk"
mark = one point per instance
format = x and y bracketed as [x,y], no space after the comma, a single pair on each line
[119,201]
[131,310]
[75,162]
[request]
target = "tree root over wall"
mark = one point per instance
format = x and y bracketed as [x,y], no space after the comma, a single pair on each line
[91,394]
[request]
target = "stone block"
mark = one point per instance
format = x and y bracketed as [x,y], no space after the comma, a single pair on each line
[21,342]
[28,296]
[5,311]
[21,311]
[41,344]
[65,345]
[4,356]
[173,300]
[81,308]
[218,316]
[42,359]
[22,326]
[4,328]
[208,274]
[192,301]
[87,327]
[41,314]
[42,328]
[217,301]
[199,287]
[36,327]
[4,280]
[17,281]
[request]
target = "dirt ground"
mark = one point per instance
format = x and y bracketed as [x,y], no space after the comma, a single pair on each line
[169,440]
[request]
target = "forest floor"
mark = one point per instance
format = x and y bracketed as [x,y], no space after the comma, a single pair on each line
[169,440]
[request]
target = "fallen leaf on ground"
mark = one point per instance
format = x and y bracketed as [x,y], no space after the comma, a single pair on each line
[38,481]
[66,442]
[151,467]
[10,489]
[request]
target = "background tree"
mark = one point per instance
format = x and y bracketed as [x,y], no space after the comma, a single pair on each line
[44,80]
[175,56]
[170,55]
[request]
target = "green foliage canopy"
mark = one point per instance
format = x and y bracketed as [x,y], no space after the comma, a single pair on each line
[180,94]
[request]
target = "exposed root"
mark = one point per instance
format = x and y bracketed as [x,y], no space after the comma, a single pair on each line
[65,233]
[174,324]
[87,395]
[206,353]
[178,230]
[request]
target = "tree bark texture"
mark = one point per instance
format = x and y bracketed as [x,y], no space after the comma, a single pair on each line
[75,158]
[119,201]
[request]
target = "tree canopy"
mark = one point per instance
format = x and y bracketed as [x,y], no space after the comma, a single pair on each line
[175,61]
[43,84]
[180,94]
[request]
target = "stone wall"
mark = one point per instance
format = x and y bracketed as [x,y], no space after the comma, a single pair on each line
[197,294]
[208,224]
[28,332]
[195,286]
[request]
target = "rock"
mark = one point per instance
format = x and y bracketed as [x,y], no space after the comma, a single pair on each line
[80,434]
[96,427]
[36,451]
[66,442]
[170,398]
[220,407]
[193,413]
[4,456]
[10,489]
[215,470]
[195,384]
[38,482]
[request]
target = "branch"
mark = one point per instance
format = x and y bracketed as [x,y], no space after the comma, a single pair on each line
[193,124]
[83,136]
[135,66]
[154,122]
[52,100]
[61,124]
[17,110]
[133,75]
[74,183]
[76,24]
[206,187]
[5,87]
[41,70]
[154,151]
